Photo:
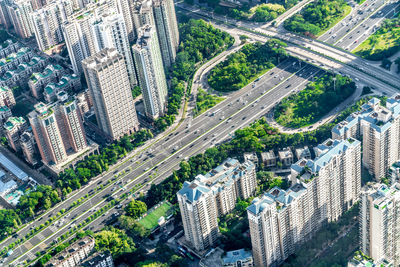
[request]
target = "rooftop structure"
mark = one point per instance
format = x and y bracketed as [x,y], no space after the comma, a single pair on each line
[238,258]
[269,159]
[73,255]
[303,153]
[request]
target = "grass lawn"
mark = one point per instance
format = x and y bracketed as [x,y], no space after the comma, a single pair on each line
[151,220]
[347,10]
[378,42]
[206,101]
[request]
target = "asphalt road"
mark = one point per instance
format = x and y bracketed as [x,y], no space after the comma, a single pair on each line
[308,46]
[358,14]
[236,112]
[365,28]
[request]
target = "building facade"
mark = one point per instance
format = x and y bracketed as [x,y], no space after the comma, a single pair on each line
[378,128]
[19,12]
[74,255]
[6,97]
[47,21]
[151,72]
[380,222]
[212,195]
[110,32]
[167,29]
[322,190]
[58,129]
[108,82]
[14,127]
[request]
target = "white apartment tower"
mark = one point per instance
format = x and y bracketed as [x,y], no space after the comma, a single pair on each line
[110,32]
[47,23]
[379,129]
[323,189]
[199,214]
[108,82]
[19,12]
[150,72]
[212,195]
[380,222]
[167,29]
[79,39]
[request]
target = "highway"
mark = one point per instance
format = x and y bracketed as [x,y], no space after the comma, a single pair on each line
[359,13]
[367,27]
[239,110]
[309,47]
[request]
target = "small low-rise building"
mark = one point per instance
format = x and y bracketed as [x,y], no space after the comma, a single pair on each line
[66,83]
[38,81]
[303,153]
[251,157]
[286,157]
[238,258]
[73,255]
[11,61]
[14,127]
[21,74]
[268,159]
[8,47]
[100,259]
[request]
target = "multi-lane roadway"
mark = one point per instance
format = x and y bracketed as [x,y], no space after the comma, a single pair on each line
[208,129]
[205,130]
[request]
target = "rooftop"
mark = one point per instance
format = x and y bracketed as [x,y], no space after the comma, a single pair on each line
[236,255]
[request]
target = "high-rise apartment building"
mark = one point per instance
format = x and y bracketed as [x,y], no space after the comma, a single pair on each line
[380,222]
[108,82]
[379,129]
[211,195]
[47,23]
[322,190]
[167,29]
[150,72]
[19,12]
[110,32]
[79,38]
[199,214]
[57,129]
[5,19]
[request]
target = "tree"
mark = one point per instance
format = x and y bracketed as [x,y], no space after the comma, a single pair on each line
[135,208]
[151,263]
[386,63]
[397,61]
[114,240]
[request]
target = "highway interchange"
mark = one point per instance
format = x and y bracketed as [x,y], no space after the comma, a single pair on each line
[238,110]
